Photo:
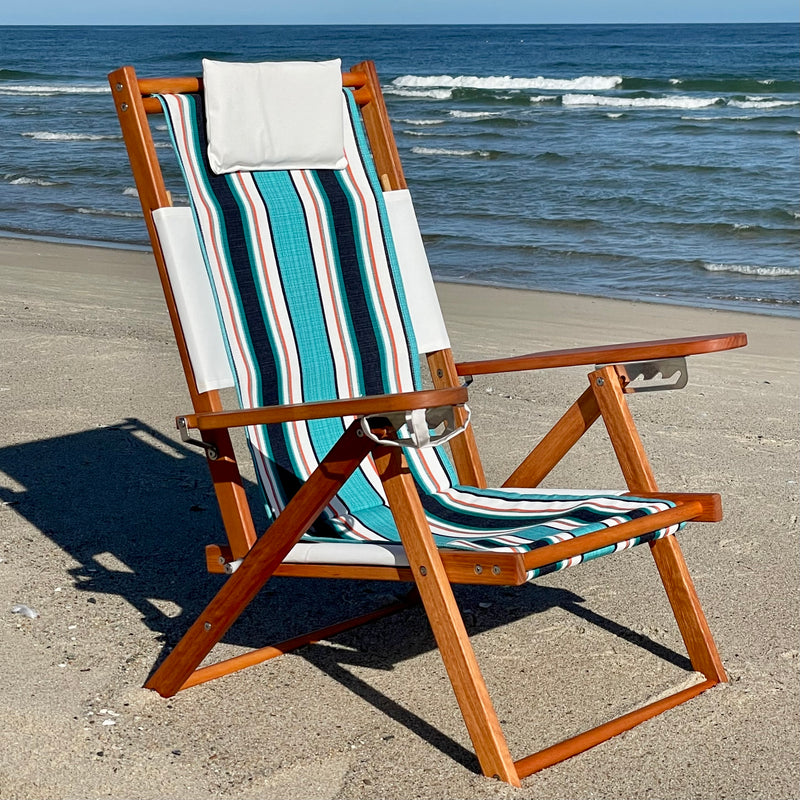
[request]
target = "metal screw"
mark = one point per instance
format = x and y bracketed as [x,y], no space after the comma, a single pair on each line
[359,432]
[423,571]
[496,570]
[439,373]
[119,87]
[123,106]
[601,381]
[221,559]
[207,626]
[478,569]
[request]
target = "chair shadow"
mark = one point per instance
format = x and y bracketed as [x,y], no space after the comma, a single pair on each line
[135,508]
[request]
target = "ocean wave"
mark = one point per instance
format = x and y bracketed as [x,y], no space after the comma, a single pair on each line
[49,90]
[475,114]
[53,136]
[420,121]
[544,98]
[108,212]
[762,102]
[676,101]
[130,191]
[751,269]
[446,151]
[433,94]
[597,83]
[23,180]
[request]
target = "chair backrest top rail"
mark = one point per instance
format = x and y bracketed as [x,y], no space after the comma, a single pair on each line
[189,84]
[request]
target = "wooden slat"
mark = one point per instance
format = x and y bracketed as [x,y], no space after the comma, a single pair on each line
[560,551]
[666,552]
[611,353]
[262,654]
[192,84]
[261,562]
[322,409]
[578,418]
[602,733]
[445,618]
[711,502]
[466,457]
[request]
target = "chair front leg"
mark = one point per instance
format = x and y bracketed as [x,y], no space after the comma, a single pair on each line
[638,473]
[262,560]
[445,618]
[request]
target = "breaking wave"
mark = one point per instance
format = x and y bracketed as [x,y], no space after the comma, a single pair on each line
[597,83]
[751,269]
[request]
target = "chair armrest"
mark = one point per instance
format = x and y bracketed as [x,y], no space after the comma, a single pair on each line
[606,354]
[356,406]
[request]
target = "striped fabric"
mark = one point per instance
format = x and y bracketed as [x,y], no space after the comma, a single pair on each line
[309,296]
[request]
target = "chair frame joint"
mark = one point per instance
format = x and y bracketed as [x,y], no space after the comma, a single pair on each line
[211,450]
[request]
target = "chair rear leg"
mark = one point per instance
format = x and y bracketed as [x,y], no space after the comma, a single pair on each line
[666,552]
[445,619]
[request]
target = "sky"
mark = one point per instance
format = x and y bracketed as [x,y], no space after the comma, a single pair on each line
[307,12]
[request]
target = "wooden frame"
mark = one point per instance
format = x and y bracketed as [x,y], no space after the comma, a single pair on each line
[431,570]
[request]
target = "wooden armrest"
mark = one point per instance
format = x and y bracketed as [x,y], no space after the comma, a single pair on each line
[606,354]
[374,404]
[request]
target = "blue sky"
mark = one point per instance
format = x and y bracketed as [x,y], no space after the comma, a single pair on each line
[82,12]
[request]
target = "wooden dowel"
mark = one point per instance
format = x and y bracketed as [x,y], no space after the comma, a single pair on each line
[230,665]
[583,741]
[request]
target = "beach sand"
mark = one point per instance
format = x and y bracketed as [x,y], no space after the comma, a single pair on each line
[104,516]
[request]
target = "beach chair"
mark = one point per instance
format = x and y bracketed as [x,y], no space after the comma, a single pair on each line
[298,276]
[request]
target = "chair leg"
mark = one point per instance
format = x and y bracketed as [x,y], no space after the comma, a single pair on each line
[666,552]
[262,560]
[445,619]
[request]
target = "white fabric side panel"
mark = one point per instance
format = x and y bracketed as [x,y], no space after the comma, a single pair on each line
[187,274]
[423,304]
[274,115]
[360,553]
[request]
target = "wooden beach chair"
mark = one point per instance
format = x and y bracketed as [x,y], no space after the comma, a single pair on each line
[302,282]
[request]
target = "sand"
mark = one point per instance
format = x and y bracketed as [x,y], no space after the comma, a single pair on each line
[104,515]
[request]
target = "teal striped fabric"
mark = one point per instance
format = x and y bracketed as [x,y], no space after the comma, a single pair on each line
[310,298]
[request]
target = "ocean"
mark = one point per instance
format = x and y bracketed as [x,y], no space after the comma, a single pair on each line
[656,162]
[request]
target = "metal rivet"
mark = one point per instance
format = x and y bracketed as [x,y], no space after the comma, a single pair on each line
[221,559]
[423,570]
[478,569]
[207,626]
[119,87]
[359,432]
[440,373]
[123,107]
[601,382]
[496,570]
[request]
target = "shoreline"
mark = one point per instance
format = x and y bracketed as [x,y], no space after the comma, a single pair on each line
[105,514]
[774,310]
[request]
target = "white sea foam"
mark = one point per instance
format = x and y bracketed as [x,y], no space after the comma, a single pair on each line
[615,115]
[433,94]
[51,136]
[676,101]
[24,181]
[444,151]
[543,98]
[421,121]
[475,114]
[130,191]
[108,212]
[49,90]
[750,269]
[762,102]
[596,83]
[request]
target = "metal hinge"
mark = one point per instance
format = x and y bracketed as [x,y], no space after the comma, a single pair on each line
[211,449]
[671,373]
